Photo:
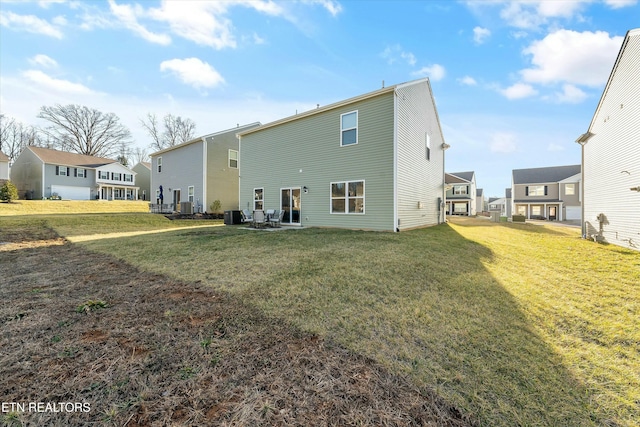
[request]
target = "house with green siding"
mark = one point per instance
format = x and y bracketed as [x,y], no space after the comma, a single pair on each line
[373,162]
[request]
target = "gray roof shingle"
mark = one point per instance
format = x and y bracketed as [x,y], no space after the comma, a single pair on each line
[542,175]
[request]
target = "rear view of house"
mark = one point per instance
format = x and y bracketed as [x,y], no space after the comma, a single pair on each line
[611,154]
[375,162]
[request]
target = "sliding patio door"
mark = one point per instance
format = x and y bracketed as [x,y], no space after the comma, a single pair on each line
[290,204]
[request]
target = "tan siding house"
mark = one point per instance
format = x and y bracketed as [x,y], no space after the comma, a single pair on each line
[375,162]
[4,166]
[611,154]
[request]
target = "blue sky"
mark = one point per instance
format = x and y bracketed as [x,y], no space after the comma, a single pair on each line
[515,83]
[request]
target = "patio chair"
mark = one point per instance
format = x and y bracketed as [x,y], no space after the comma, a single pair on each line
[259,219]
[246,216]
[276,219]
[269,214]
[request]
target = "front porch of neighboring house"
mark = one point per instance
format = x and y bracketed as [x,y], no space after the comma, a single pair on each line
[459,207]
[117,192]
[550,211]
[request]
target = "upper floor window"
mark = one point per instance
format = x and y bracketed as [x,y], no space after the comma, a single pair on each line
[62,170]
[233,159]
[536,190]
[347,197]
[116,176]
[159,164]
[81,173]
[459,189]
[570,189]
[128,177]
[349,128]
[103,175]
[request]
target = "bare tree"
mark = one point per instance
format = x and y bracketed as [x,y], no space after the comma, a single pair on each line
[15,136]
[85,130]
[173,131]
[139,155]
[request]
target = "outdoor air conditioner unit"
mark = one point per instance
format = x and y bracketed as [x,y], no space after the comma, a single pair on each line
[186,208]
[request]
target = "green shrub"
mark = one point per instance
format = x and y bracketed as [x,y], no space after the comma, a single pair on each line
[215,206]
[518,218]
[8,192]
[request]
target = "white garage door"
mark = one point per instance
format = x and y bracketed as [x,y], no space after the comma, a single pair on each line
[573,212]
[71,193]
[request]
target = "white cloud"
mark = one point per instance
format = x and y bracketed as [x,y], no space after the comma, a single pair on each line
[502,142]
[128,16]
[333,7]
[480,35]
[518,91]
[570,95]
[468,81]
[392,53]
[534,13]
[29,23]
[617,4]
[569,56]
[43,61]
[62,86]
[435,72]
[194,72]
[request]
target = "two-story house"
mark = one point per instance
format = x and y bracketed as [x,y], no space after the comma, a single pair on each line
[143,179]
[611,154]
[4,167]
[461,193]
[42,173]
[551,193]
[375,162]
[480,201]
[199,171]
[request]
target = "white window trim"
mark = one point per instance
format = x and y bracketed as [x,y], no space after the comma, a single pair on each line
[346,197]
[237,159]
[573,191]
[191,192]
[63,168]
[159,165]
[465,193]
[427,146]
[536,187]
[254,197]
[343,130]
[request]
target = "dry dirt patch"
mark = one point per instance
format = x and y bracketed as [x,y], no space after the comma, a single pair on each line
[143,349]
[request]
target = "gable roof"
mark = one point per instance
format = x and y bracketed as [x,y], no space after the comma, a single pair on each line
[479,192]
[458,178]
[57,157]
[467,176]
[3,157]
[543,175]
[203,137]
[631,33]
[339,104]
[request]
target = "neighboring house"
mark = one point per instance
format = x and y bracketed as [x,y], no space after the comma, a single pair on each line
[551,193]
[461,193]
[4,167]
[480,202]
[509,206]
[199,171]
[143,179]
[375,162]
[42,172]
[498,205]
[611,154]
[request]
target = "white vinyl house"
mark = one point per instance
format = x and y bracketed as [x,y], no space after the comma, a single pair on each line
[611,155]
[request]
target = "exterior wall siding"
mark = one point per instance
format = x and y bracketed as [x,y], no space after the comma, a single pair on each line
[612,156]
[26,174]
[4,170]
[222,180]
[52,179]
[307,153]
[181,168]
[143,180]
[420,181]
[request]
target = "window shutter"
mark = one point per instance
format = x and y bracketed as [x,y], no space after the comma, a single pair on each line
[57,170]
[545,190]
[75,172]
[526,190]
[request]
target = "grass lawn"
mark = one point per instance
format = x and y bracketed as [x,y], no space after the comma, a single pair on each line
[46,207]
[514,324]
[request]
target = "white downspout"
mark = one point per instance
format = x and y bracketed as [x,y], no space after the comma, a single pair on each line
[396,226]
[204,174]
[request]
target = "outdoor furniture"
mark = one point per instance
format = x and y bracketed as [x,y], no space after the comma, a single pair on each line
[246,216]
[269,214]
[276,219]
[259,219]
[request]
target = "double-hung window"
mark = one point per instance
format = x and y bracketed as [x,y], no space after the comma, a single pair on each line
[347,197]
[61,170]
[536,190]
[81,173]
[128,177]
[349,128]
[103,175]
[233,159]
[116,176]
[427,142]
[459,190]
[570,189]
[159,164]
[190,193]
